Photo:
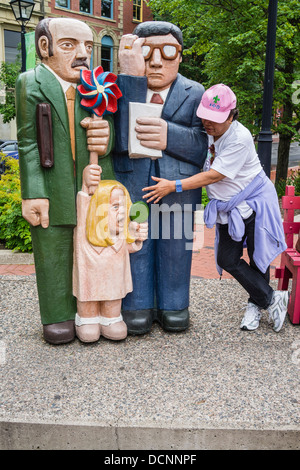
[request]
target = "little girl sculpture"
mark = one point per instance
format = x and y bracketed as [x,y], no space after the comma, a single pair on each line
[101,271]
[102,242]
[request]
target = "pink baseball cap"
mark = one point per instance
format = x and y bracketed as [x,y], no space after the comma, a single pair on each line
[216,103]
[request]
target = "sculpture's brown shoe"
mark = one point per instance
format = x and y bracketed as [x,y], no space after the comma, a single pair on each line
[59,333]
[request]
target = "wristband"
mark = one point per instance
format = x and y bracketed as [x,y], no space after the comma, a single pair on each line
[178,186]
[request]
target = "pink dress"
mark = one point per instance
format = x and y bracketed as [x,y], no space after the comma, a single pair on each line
[99,273]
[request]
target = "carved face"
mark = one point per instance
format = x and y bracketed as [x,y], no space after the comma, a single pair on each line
[72,48]
[108,214]
[116,212]
[161,72]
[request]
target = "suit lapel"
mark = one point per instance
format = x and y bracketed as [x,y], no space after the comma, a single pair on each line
[176,97]
[53,92]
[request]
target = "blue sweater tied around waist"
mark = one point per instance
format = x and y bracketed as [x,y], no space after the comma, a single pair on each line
[261,196]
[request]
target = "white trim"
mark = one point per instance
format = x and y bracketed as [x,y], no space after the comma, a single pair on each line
[106,321]
[79,321]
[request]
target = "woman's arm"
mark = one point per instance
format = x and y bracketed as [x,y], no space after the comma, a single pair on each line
[165,187]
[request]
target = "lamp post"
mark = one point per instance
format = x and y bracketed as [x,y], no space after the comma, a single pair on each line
[265,136]
[22,9]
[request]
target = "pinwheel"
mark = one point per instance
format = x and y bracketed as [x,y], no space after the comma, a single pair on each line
[99,94]
[98,91]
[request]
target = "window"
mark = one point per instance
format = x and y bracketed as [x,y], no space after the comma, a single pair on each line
[86,6]
[137,10]
[12,39]
[62,3]
[107,8]
[106,53]
[9,147]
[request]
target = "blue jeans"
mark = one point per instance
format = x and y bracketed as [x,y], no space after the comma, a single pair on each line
[229,258]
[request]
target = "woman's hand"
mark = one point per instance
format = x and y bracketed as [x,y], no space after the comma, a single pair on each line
[161,189]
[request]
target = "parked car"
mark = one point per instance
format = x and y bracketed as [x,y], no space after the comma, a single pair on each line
[10,148]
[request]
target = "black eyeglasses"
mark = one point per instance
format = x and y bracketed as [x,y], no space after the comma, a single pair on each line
[168,51]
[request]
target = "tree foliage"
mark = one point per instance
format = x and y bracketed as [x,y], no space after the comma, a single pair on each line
[8,76]
[227,40]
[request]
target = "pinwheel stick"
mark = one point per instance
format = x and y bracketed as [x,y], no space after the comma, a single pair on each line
[94,155]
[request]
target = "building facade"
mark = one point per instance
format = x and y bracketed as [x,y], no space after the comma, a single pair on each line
[108,19]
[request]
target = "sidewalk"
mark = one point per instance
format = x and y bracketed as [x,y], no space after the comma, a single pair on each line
[203,261]
[213,386]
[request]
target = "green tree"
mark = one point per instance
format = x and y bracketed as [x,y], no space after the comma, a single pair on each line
[229,37]
[8,76]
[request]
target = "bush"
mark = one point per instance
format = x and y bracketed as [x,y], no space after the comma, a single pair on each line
[292,180]
[14,230]
[204,199]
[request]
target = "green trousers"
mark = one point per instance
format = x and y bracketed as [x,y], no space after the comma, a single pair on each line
[53,257]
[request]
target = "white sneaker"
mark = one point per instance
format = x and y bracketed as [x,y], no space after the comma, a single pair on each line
[278,308]
[251,318]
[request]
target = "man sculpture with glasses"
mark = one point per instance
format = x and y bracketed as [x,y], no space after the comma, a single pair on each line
[149,63]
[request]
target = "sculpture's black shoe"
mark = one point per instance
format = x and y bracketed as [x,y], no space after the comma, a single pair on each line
[138,322]
[59,333]
[174,320]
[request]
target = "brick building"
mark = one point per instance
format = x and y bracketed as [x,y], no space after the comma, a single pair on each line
[108,19]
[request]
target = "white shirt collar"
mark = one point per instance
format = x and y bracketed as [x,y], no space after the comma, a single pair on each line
[163,94]
[65,85]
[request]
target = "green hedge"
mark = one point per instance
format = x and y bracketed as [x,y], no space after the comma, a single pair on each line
[292,180]
[14,230]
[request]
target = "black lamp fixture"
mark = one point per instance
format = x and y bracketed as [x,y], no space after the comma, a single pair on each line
[264,148]
[22,9]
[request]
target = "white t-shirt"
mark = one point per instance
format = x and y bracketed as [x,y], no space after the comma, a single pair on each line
[236,158]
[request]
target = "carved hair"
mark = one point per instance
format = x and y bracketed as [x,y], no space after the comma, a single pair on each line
[97,217]
[42,29]
[158,28]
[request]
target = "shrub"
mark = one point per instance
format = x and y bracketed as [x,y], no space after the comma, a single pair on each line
[14,230]
[204,199]
[292,180]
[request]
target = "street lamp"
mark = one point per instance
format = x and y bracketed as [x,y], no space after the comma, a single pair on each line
[22,9]
[264,149]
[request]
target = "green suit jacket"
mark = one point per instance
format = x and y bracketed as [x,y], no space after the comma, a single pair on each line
[57,183]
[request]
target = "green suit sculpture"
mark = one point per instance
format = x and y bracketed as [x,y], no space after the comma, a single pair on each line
[49,189]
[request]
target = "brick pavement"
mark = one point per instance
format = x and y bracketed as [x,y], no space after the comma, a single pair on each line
[17,269]
[203,263]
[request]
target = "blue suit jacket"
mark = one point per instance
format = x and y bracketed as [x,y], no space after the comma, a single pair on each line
[186,140]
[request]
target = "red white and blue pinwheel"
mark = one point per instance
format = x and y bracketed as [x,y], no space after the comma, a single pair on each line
[98,91]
